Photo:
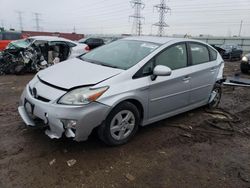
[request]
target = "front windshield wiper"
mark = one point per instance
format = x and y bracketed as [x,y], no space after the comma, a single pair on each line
[107,65]
[98,63]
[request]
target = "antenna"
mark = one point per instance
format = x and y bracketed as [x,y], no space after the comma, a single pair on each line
[138,5]
[163,9]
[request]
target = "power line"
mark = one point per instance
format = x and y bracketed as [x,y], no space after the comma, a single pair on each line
[20,18]
[138,5]
[163,9]
[2,23]
[37,20]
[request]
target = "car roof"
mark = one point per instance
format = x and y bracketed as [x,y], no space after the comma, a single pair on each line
[159,40]
[50,38]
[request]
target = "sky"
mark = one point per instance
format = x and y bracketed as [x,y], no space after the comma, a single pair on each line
[192,17]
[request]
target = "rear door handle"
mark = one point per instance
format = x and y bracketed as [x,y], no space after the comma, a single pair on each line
[212,70]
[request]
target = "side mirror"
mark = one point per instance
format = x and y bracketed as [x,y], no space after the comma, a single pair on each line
[161,70]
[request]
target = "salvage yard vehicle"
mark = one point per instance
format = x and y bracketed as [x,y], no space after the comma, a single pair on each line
[245,63]
[35,53]
[92,42]
[8,36]
[120,86]
[231,51]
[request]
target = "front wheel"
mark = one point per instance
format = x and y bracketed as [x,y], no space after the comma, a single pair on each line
[216,94]
[121,124]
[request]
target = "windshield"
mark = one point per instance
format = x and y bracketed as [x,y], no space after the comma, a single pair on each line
[20,44]
[121,54]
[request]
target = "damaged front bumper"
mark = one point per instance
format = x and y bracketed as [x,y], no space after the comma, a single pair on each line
[73,121]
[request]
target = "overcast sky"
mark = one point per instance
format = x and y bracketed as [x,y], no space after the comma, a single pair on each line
[194,17]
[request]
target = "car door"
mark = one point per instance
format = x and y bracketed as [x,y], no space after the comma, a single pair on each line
[170,93]
[204,71]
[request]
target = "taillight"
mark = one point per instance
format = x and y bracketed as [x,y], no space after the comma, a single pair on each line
[87,48]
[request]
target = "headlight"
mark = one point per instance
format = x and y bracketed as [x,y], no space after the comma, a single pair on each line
[244,59]
[82,96]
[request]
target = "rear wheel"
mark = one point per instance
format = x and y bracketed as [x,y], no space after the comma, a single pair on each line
[216,94]
[121,124]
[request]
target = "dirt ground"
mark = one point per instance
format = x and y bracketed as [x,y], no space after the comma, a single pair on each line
[194,149]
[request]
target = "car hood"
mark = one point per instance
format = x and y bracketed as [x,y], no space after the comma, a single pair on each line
[76,72]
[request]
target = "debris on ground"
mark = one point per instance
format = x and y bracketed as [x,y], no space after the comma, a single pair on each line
[188,135]
[52,162]
[130,177]
[237,81]
[71,162]
[244,176]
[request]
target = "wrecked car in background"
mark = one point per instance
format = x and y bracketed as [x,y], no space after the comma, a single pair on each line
[36,53]
[120,86]
[245,63]
[231,52]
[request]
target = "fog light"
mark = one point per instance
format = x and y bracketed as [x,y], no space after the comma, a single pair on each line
[69,123]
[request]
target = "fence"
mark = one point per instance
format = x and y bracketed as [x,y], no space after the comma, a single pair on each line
[243,42]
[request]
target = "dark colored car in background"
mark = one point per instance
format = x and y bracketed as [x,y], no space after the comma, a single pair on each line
[7,36]
[231,51]
[245,63]
[92,42]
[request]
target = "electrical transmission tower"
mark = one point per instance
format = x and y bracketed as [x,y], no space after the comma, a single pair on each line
[138,5]
[37,20]
[20,18]
[163,9]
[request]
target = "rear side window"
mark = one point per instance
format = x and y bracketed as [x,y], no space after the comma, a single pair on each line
[199,53]
[213,54]
[174,57]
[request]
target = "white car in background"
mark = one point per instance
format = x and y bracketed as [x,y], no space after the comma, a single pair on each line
[35,53]
[65,48]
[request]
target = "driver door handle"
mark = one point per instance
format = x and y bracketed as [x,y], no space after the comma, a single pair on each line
[186,78]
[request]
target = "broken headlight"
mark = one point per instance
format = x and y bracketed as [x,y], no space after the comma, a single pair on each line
[82,96]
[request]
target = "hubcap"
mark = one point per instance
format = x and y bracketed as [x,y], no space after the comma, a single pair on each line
[122,125]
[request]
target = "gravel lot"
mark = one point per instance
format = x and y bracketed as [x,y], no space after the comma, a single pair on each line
[194,149]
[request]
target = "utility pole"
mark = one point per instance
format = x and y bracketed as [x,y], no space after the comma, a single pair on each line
[163,9]
[2,23]
[74,29]
[37,20]
[138,5]
[240,27]
[20,18]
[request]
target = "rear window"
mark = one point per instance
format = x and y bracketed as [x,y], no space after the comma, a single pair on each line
[199,53]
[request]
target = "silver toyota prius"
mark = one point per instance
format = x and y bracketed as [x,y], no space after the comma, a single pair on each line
[118,87]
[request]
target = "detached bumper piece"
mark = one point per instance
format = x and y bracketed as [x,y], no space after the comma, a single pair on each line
[237,81]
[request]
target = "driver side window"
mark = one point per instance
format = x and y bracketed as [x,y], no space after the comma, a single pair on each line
[174,57]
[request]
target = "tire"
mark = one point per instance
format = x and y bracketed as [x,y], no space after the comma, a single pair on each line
[243,69]
[216,101]
[19,69]
[116,130]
